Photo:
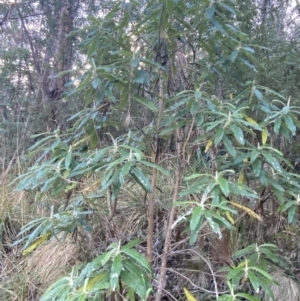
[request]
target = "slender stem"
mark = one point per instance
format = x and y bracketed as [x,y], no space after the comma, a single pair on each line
[151,208]
[163,270]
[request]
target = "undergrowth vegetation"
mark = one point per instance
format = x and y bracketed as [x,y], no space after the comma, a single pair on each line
[177,180]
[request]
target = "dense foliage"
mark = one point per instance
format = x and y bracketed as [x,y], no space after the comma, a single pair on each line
[164,147]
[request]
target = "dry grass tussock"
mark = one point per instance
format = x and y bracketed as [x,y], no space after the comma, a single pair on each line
[28,278]
[50,261]
[286,290]
[25,278]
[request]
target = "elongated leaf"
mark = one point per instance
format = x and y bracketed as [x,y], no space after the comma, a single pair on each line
[264,136]
[224,185]
[196,223]
[254,155]
[68,159]
[235,271]
[289,123]
[136,283]
[213,224]
[139,176]
[229,146]
[242,252]
[208,145]
[219,136]
[247,296]
[91,283]
[131,244]
[126,168]
[222,221]
[146,102]
[252,121]
[277,125]
[115,271]
[137,257]
[291,214]
[210,12]
[153,63]
[273,161]
[228,8]
[246,209]
[108,256]
[238,133]
[257,167]
[258,94]
[37,243]
[189,296]
[269,254]
[158,167]
[254,280]
[262,272]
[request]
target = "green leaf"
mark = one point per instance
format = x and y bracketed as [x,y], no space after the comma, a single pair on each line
[273,162]
[247,296]
[68,159]
[210,12]
[96,83]
[93,136]
[233,56]
[92,47]
[269,254]
[242,252]
[227,7]
[289,123]
[219,136]
[291,214]
[275,184]
[254,155]
[136,282]
[221,220]
[126,168]
[170,5]
[254,280]
[266,287]
[146,102]
[247,63]
[135,62]
[213,224]
[277,125]
[141,77]
[139,176]
[286,205]
[236,271]
[258,94]
[108,256]
[238,133]
[153,63]
[262,272]
[115,271]
[158,167]
[229,146]
[140,260]
[196,223]
[224,185]
[199,118]
[131,244]
[256,167]
[212,125]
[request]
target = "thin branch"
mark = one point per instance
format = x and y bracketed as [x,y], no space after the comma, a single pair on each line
[33,50]
[7,15]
